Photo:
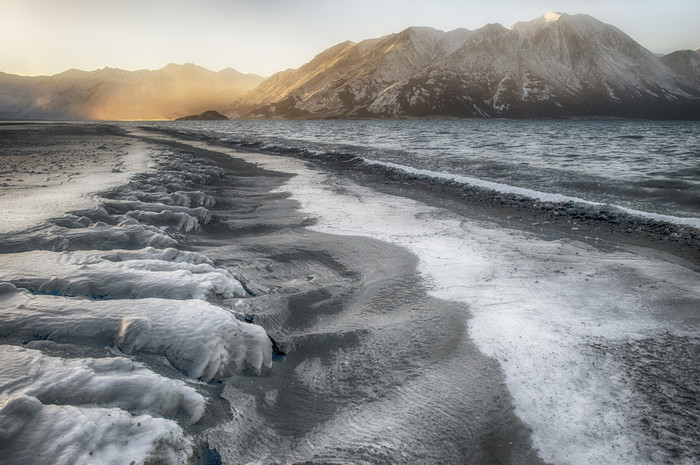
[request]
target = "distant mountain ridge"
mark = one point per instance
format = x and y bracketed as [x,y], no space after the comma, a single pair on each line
[557,65]
[115,94]
[554,66]
[209,115]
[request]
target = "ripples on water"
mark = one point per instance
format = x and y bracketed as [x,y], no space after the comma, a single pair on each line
[650,166]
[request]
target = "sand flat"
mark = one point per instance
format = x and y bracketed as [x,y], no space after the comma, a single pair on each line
[49,169]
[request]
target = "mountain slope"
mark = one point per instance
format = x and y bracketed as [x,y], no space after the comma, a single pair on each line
[556,65]
[114,94]
[686,64]
[348,76]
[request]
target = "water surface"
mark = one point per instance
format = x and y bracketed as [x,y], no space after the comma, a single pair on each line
[650,166]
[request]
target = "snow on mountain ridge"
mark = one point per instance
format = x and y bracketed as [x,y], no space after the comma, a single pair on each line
[552,16]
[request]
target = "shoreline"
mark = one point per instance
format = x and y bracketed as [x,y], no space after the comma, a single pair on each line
[361,336]
[601,227]
[415,327]
[536,299]
[303,283]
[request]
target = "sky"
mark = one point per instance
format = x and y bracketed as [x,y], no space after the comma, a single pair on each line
[45,37]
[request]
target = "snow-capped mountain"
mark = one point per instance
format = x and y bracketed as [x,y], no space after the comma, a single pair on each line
[115,94]
[556,65]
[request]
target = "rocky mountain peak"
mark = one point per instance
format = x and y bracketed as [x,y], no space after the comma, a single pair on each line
[552,16]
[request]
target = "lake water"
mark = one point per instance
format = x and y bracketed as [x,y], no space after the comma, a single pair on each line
[646,166]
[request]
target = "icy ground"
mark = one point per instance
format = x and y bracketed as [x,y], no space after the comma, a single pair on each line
[107,340]
[40,179]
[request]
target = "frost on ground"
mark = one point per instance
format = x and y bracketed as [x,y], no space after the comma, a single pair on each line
[107,339]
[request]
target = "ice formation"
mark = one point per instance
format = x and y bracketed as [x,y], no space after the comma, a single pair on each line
[63,434]
[90,300]
[117,275]
[201,339]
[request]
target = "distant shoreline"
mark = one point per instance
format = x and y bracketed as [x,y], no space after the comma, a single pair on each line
[596,226]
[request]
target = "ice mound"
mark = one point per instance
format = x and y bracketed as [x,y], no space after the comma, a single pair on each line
[169,254]
[125,207]
[198,198]
[36,433]
[68,411]
[119,274]
[165,198]
[109,382]
[179,198]
[82,232]
[198,338]
[181,176]
[102,236]
[176,220]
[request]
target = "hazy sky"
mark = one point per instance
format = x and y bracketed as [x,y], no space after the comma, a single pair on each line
[265,36]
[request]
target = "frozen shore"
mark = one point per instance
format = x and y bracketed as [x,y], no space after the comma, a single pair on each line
[409,325]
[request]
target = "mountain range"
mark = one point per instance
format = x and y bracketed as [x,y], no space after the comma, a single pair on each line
[557,65]
[115,94]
